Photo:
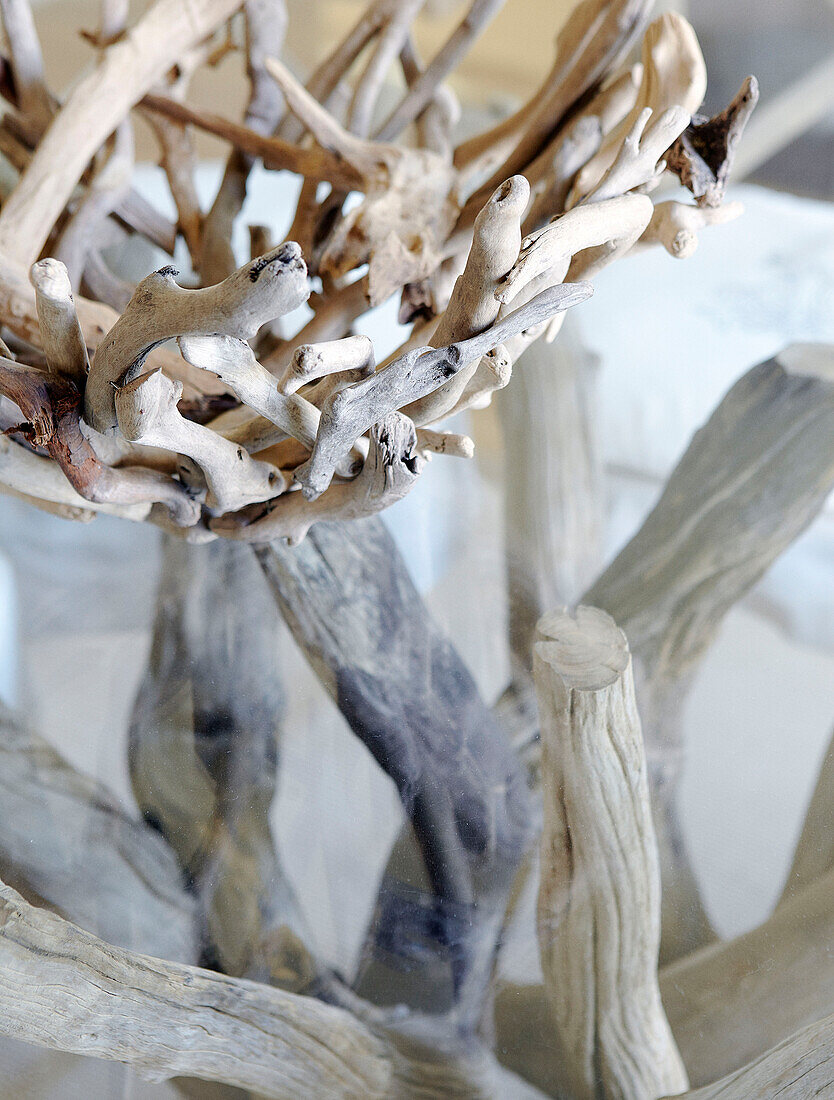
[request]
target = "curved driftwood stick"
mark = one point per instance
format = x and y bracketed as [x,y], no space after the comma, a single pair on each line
[234,362]
[203,755]
[597,34]
[638,162]
[798,1068]
[424,88]
[63,341]
[750,482]
[258,292]
[599,897]
[729,1002]
[554,169]
[313,163]
[93,110]
[390,471]
[353,609]
[549,254]
[266,24]
[472,306]
[674,75]
[33,98]
[109,1003]
[109,185]
[389,42]
[147,414]
[22,472]
[52,406]
[313,361]
[352,411]
[64,836]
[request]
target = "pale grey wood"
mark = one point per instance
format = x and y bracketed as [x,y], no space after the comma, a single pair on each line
[553,499]
[203,754]
[814,854]
[598,909]
[66,989]
[65,837]
[799,1068]
[750,482]
[352,607]
[730,1002]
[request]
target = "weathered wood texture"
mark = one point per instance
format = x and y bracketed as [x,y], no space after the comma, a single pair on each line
[203,754]
[730,1002]
[64,988]
[599,897]
[799,1068]
[65,837]
[92,111]
[750,482]
[405,692]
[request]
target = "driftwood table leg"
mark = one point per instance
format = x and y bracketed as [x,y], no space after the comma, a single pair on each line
[750,482]
[405,692]
[599,898]
[203,754]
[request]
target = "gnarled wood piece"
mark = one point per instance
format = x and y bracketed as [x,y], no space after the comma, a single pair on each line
[599,896]
[147,414]
[750,482]
[350,413]
[702,157]
[52,407]
[109,1003]
[353,609]
[389,472]
[203,754]
[93,110]
[65,837]
[159,310]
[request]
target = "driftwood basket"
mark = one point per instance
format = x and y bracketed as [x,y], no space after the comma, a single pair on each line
[237,404]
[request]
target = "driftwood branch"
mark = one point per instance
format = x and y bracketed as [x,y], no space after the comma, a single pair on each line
[203,755]
[730,1002]
[93,110]
[160,309]
[64,837]
[750,482]
[599,896]
[351,606]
